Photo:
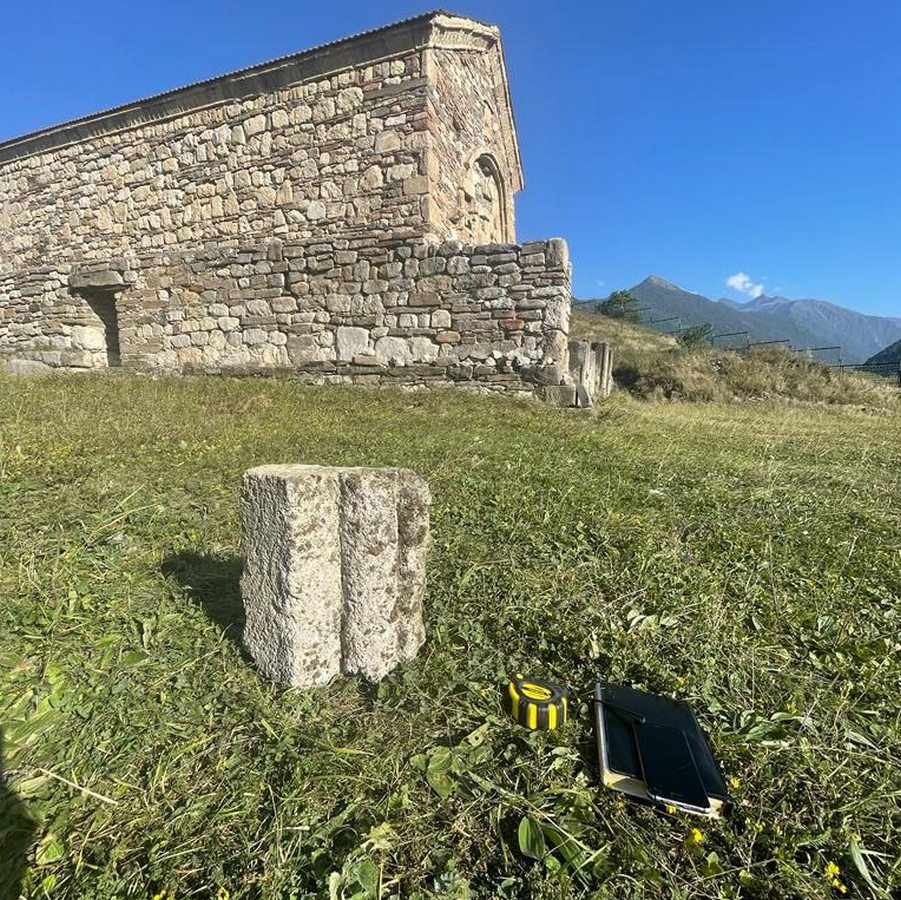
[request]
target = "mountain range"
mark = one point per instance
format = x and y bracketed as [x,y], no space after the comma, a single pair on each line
[805,323]
[889,356]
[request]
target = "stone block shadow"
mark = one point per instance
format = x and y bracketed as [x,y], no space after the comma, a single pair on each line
[16,834]
[213,583]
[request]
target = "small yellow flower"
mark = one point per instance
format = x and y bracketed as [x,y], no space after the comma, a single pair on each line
[734,782]
[222,894]
[671,809]
[697,835]
[832,869]
[164,894]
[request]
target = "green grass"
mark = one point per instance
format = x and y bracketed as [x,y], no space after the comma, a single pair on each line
[745,557]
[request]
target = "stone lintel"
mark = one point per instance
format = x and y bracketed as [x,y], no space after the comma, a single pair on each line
[105,278]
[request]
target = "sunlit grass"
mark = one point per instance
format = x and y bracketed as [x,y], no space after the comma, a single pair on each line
[744,557]
[653,365]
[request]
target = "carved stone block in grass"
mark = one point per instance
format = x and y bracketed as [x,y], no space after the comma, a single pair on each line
[334,570]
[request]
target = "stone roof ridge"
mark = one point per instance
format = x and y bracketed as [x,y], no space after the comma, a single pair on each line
[235,73]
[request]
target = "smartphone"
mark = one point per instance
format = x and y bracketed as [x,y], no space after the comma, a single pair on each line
[668,767]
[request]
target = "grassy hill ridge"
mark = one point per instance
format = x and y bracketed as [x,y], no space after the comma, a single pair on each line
[891,354]
[652,365]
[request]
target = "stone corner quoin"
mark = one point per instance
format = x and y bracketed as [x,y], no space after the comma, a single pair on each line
[334,570]
[344,214]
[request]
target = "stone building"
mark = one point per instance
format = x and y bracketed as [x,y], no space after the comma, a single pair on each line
[344,214]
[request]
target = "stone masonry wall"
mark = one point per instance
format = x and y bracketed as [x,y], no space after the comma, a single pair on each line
[336,155]
[494,317]
[472,201]
[302,216]
[378,136]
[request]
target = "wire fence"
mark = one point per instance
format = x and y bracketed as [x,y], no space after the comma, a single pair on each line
[731,340]
[741,341]
[883,370]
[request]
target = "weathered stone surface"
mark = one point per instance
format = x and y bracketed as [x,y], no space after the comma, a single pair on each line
[384,542]
[591,370]
[291,583]
[558,395]
[26,367]
[88,337]
[326,216]
[604,361]
[334,570]
[105,278]
[393,349]
[351,342]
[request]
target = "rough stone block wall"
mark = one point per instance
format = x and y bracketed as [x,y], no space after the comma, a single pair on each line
[292,217]
[337,155]
[493,317]
[479,169]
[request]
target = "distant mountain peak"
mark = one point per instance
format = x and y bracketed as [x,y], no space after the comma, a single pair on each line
[657,281]
[803,323]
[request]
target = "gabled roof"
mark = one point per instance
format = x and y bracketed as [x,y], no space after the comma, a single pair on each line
[265,76]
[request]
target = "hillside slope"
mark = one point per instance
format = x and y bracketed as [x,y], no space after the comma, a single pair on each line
[625,336]
[891,354]
[655,366]
[667,299]
[857,333]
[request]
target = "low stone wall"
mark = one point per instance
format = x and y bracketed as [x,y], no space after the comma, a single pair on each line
[494,317]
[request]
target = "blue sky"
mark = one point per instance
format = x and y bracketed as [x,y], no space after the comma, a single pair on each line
[699,139]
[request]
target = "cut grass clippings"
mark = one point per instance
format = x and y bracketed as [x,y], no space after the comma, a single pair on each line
[743,557]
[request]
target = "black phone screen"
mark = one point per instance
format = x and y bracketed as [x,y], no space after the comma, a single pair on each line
[668,767]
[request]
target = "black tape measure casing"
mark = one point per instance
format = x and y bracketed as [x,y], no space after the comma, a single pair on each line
[537,704]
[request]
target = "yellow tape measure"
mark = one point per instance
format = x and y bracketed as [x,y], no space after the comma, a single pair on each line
[539,705]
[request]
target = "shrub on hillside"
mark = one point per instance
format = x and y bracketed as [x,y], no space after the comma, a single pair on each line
[620,305]
[696,336]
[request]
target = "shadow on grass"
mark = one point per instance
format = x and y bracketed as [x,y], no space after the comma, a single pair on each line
[16,831]
[212,582]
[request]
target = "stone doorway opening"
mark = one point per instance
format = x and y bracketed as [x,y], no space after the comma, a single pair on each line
[103,305]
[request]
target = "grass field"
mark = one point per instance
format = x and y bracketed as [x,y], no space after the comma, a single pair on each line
[745,557]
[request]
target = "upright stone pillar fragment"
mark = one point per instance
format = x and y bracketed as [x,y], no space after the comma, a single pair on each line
[334,570]
[591,369]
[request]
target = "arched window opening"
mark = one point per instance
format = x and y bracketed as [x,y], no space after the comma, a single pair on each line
[485,216]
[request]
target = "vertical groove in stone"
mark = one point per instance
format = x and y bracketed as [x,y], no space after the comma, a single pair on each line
[334,570]
[413,502]
[369,566]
